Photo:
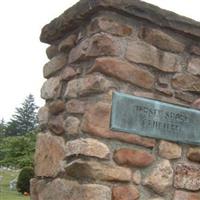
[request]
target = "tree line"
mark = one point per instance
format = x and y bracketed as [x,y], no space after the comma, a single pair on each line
[18,136]
[23,121]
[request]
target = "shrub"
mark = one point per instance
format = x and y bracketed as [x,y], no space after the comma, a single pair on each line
[23,182]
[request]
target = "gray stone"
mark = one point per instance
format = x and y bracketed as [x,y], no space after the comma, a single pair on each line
[87,147]
[51,88]
[161,177]
[169,150]
[90,84]
[71,125]
[54,65]
[141,52]
[52,51]
[67,43]
[98,171]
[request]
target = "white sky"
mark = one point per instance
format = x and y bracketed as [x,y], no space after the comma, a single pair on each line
[22,54]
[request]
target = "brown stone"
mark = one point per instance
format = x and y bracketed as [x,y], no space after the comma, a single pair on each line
[33,191]
[182,195]
[129,192]
[71,190]
[133,157]
[161,40]
[71,125]
[196,104]
[161,177]
[56,125]
[169,150]
[76,106]
[187,177]
[186,82]
[56,107]
[90,84]
[36,186]
[193,66]
[164,90]
[193,154]
[183,96]
[54,65]
[141,52]
[87,147]
[164,81]
[124,71]
[96,122]
[68,73]
[43,116]
[157,198]
[163,85]
[52,51]
[50,152]
[109,25]
[67,43]
[51,88]
[98,171]
[100,44]
[195,50]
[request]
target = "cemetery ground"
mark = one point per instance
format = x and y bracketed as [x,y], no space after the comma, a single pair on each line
[5,192]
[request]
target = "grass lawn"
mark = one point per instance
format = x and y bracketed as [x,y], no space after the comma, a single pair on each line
[5,192]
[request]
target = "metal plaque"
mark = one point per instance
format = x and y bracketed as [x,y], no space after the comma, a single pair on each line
[152,118]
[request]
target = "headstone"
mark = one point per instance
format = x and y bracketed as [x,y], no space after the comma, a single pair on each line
[156,119]
[12,184]
[1,178]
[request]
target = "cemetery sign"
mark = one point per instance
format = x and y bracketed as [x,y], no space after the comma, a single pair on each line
[152,118]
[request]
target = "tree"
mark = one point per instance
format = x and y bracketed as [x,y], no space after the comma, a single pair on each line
[25,118]
[2,127]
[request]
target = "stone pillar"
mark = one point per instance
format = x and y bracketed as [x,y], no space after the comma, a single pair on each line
[97,47]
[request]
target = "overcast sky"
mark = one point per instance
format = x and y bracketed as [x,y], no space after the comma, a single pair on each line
[22,54]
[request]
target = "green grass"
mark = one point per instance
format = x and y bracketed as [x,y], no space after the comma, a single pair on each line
[5,192]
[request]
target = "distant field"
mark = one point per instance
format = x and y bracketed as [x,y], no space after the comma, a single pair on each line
[5,192]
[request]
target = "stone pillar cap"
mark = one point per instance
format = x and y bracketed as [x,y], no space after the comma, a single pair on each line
[84,9]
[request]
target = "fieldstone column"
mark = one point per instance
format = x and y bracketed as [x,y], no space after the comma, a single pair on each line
[96,48]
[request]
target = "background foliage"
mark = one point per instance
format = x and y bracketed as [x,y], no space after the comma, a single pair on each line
[18,136]
[17,151]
